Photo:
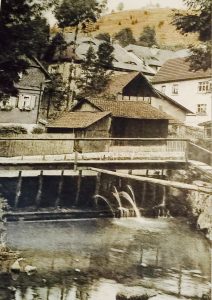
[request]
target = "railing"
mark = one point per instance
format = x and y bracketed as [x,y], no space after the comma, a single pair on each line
[93,148]
[198,153]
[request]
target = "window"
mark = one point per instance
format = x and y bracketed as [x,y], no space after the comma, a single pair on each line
[201,109]
[204,86]
[163,89]
[175,89]
[26,102]
[54,69]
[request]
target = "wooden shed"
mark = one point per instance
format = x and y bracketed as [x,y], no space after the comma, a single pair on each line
[130,119]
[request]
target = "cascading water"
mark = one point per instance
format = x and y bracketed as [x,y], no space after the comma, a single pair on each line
[130,200]
[131,191]
[124,212]
[106,200]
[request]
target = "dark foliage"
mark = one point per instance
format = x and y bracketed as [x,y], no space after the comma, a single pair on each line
[24,32]
[197,20]
[148,37]
[125,37]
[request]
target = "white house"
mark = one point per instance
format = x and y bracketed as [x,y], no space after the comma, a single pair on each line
[190,89]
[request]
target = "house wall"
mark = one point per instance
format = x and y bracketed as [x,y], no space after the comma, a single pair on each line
[169,108]
[189,96]
[98,129]
[161,104]
[122,127]
[23,109]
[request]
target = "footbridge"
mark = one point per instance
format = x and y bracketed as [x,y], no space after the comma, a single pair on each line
[63,152]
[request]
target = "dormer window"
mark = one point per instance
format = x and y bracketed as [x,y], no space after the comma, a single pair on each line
[163,89]
[175,89]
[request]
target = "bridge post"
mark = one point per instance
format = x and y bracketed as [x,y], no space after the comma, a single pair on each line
[98,182]
[39,192]
[79,179]
[143,194]
[60,186]
[18,189]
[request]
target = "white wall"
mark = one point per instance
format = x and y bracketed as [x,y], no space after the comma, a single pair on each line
[189,96]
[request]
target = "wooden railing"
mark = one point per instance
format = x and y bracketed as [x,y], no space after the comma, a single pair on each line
[198,153]
[51,144]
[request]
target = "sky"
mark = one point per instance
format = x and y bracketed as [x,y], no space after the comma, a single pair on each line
[135,4]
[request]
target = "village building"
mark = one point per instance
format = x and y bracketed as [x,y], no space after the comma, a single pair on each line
[64,61]
[136,87]
[188,88]
[207,129]
[153,56]
[24,108]
[129,118]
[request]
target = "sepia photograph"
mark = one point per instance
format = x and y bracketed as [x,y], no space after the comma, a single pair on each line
[105,150]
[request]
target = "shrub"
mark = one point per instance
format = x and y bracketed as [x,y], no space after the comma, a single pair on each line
[38,130]
[160,24]
[119,23]
[9,130]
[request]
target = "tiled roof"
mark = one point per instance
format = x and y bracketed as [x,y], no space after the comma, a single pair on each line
[77,119]
[178,69]
[118,82]
[129,109]
[123,60]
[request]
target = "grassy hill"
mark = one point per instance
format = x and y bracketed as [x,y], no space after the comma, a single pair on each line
[159,18]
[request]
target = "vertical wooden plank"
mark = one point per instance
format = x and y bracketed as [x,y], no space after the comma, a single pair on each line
[79,180]
[98,182]
[39,191]
[143,194]
[60,187]
[18,189]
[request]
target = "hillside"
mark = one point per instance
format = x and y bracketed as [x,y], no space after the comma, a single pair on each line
[160,18]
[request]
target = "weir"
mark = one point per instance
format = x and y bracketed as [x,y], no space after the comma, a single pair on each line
[132,159]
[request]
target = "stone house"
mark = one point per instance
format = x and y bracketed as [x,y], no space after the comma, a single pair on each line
[24,108]
[188,88]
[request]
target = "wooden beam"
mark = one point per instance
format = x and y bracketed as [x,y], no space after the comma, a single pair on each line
[174,184]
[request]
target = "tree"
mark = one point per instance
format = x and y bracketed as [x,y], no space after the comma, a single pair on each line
[96,70]
[148,37]
[78,13]
[125,37]
[120,6]
[56,46]
[24,33]
[103,37]
[197,20]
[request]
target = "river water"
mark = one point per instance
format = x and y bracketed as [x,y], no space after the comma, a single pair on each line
[94,259]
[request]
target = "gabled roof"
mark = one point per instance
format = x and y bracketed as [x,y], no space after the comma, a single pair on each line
[178,69]
[122,59]
[77,119]
[119,82]
[128,109]
[154,56]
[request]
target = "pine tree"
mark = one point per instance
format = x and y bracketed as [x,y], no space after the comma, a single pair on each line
[148,37]
[96,70]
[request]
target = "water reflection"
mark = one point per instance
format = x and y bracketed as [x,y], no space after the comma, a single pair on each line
[95,259]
